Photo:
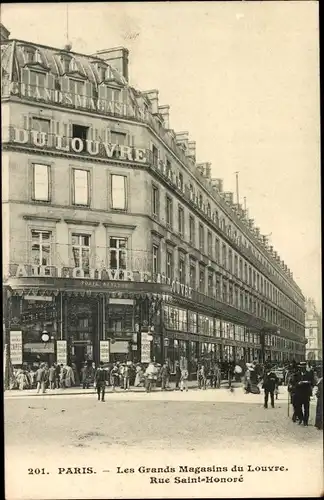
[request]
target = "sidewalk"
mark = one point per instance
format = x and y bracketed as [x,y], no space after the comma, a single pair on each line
[72,391]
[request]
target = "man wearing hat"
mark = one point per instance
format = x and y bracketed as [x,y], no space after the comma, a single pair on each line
[100,379]
[270,382]
[304,390]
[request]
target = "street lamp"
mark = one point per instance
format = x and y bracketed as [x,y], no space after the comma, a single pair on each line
[45,336]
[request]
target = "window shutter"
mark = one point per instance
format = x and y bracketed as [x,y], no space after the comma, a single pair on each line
[102,91]
[50,81]
[25,76]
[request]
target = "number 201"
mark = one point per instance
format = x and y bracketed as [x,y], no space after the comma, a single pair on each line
[36,471]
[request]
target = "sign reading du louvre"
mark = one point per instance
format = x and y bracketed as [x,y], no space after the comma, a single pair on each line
[105,274]
[77,145]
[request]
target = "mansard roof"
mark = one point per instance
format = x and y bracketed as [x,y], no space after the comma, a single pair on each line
[13,60]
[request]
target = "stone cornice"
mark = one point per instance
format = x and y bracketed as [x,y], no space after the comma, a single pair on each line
[81,222]
[48,218]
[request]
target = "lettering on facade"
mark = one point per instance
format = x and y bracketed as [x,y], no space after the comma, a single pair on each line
[114,276]
[77,145]
[77,101]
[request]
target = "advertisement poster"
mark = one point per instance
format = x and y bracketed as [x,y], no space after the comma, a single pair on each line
[16,348]
[161,173]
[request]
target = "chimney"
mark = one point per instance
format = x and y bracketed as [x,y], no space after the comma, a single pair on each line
[117,58]
[153,96]
[183,138]
[4,33]
[257,231]
[165,113]
[208,170]
[217,184]
[192,149]
[200,168]
[251,222]
[229,197]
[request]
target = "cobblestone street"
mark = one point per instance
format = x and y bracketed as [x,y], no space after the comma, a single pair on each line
[153,429]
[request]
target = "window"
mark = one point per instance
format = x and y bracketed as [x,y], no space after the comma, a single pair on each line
[192,322]
[118,138]
[182,269]
[210,284]
[156,259]
[208,210]
[181,220]
[81,252]
[118,192]
[180,178]
[202,280]
[117,253]
[41,182]
[210,244]
[169,264]
[201,238]
[155,201]
[37,79]
[224,256]
[191,230]
[168,211]
[168,168]
[155,155]
[41,249]
[76,87]
[235,265]
[193,275]
[81,189]
[217,250]
[79,132]
[41,125]
[230,260]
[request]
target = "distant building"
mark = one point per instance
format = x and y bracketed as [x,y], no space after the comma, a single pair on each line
[313,332]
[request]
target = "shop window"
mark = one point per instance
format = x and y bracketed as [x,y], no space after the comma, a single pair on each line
[117,253]
[41,182]
[218,328]
[118,138]
[81,187]
[155,201]
[81,252]
[41,250]
[192,322]
[119,192]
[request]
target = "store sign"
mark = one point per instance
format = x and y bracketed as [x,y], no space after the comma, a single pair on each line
[145,348]
[99,274]
[77,145]
[53,96]
[61,352]
[16,348]
[40,347]
[104,351]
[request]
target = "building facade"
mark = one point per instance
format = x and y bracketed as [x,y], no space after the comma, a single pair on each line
[117,243]
[313,332]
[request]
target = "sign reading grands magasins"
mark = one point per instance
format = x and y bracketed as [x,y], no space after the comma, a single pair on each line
[104,274]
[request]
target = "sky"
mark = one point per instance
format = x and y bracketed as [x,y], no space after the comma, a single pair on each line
[241,77]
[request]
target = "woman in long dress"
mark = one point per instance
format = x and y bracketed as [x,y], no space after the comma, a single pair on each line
[139,376]
[69,378]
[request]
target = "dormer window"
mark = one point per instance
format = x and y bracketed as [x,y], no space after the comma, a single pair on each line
[66,60]
[38,57]
[29,54]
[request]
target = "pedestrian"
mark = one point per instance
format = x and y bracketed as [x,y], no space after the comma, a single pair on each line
[177,374]
[62,376]
[304,389]
[184,379]
[75,374]
[85,376]
[40,378]
[139,375]
[164,376]
[51,377]
[217,375]
[126,377]
[114,376]
[319,404]
[270,381]
[100,380]
[292,380]
[69,378]
[231,373]
[150,376]
[57,376]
